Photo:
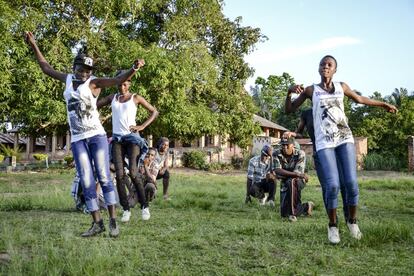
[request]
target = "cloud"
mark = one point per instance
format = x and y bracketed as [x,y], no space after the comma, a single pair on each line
[293,52]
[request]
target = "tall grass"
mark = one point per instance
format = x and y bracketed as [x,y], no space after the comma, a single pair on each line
[375,162]
[205,229]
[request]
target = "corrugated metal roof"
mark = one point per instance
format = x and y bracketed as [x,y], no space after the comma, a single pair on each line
[266,123]
[9,139]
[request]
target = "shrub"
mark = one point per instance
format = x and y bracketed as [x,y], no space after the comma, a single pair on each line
[375,161]
[195,159]
[237,162]
[68,159]
[7,151]
[1,158]
[40,156]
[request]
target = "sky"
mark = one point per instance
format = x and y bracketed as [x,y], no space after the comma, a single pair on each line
[373,41]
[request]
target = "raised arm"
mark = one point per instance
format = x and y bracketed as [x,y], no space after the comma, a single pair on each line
[105,101]
[292,106]
[44,65]
[153,111]
[98,83]
[367,101]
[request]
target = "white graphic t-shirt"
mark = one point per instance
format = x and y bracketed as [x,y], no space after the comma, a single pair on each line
[83,116]
[330,122]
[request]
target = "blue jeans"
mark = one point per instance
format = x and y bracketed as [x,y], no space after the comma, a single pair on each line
[323,186]
[89,154]
[337,167]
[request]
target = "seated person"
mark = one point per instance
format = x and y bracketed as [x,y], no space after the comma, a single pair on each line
[161,161]
[147,173]
[289,166]
[260,179]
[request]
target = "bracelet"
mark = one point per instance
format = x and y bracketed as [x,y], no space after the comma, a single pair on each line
[134,68]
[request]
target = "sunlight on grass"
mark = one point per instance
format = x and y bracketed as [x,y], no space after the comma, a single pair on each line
[205,229]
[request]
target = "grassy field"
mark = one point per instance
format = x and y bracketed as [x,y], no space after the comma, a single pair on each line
[205,229]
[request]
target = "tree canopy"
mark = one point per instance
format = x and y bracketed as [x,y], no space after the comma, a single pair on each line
[194,72]
[387,133]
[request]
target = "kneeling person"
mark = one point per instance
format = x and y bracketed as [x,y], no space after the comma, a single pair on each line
[260,179]
[289,166]
[148,174]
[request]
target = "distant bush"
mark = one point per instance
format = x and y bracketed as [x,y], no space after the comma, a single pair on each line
[237,162]
[378,162]
[7,151]
[68,159]
[195,159]
[1,158]
[40,156]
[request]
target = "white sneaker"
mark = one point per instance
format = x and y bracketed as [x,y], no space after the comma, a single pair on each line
[333,235]
[146,214]
[354,229]
[126,215]
[293,218]
[271,203]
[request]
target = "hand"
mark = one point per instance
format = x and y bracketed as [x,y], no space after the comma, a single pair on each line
[305,177]
[390,108]
[146,161]
[270,176]
[296,88]
[135,128]
[29,37]
[138,63]
[288,134]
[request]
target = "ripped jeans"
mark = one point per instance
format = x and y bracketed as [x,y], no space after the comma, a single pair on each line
[91,155]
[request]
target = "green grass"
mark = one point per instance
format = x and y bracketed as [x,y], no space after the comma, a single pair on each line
[205,229]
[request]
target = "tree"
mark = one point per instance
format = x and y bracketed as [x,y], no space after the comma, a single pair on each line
[269,96]
[194,71]
[387,133]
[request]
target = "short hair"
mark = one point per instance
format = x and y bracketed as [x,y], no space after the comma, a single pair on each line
[329,56]
[153,149]
[161,141]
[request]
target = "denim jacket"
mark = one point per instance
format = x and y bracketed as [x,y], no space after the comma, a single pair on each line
[133,138]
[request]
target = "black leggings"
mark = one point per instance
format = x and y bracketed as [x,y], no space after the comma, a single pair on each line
[132,151]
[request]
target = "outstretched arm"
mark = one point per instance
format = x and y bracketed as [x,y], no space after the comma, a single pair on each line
[44,65]
[154,113]
[98,83]
[367,101]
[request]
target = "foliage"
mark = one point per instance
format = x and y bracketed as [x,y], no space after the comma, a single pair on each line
[40,156]
[206,229]
[270,94]
[375,161]
[1,158]
[68,159]
[237,162]
[8,151]
[216,166]
[194,73]
[195,159]
[387,133]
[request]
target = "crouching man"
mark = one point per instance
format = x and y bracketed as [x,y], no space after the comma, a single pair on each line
[289,166]
[260,179]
